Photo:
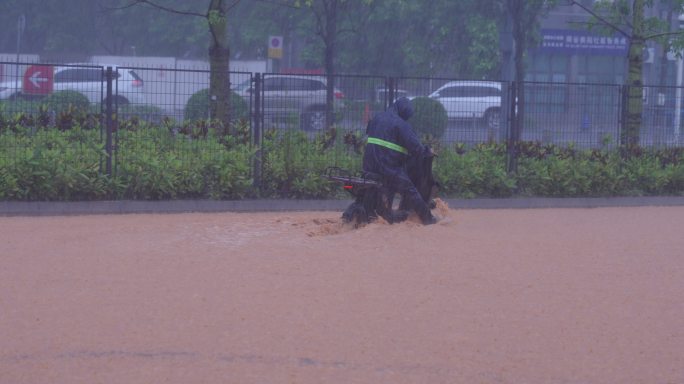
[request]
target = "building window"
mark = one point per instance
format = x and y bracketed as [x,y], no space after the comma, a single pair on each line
[601,69]
[548,68]
[541,95]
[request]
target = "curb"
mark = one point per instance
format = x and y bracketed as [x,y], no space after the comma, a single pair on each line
[51,208]
[569,202]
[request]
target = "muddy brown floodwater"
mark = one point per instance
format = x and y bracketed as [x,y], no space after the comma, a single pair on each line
[484,296]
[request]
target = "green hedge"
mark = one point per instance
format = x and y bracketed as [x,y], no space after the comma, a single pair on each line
[293,164]
[52,165]
[63,101]
[198,106]
[154,162]
[150,163]
[476,172]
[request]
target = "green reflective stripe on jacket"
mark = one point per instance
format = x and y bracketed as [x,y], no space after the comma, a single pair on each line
[387,144]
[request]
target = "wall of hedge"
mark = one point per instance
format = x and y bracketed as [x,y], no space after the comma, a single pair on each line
[157,162]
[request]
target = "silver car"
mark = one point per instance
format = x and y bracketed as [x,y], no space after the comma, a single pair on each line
[288,97]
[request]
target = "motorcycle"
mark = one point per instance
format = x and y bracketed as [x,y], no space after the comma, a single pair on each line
[372,199]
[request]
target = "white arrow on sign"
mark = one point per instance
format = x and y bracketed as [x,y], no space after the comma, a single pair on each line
[35,79]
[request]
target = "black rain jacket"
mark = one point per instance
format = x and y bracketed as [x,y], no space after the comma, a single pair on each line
[391,126]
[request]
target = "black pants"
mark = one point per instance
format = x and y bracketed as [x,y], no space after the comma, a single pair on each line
[401,183]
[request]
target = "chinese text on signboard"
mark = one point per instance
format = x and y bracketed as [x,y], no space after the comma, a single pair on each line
[571,41]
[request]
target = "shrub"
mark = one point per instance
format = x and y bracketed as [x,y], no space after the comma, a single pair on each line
[293,165]
[198,106]
[22,115]
[11,107]
[53,165]
[149,113]
[62,101]
[65,109]
[429,117]
[155,164]
[478,172]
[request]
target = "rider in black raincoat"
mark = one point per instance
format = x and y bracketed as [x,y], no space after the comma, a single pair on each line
[391,140]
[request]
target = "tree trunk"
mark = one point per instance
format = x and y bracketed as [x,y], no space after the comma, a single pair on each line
[634,108]
[330,47]
[219,64]
[517,7]
[662,74]
[519,57]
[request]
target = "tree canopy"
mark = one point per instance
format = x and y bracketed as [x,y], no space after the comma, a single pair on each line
[395,37]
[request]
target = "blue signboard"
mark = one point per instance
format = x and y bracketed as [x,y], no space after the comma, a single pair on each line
[573,42]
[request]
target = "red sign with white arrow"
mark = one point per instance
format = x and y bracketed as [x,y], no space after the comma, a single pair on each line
[38,80]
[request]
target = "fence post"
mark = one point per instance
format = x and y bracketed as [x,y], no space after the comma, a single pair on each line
[109,120]
[624,99]
[505,117]
[512,139]
[257,119]
[390,94]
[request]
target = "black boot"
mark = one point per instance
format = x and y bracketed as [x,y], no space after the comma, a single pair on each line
[424,213]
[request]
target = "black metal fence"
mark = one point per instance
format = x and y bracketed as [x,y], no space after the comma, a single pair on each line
[584,115]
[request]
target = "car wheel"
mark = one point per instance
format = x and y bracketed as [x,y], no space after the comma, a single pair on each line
[313,120]
[492,118]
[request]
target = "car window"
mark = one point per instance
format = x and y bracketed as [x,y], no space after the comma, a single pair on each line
[273,84]
[314,85]
[450,92]
[79,75]
[95,75]
[297,84]
[67,75]
[294,84]
[132,73]
[469,91]
[483,91]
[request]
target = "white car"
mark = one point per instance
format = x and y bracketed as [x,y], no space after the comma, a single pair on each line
[89,80]
[471,100]
[284,96]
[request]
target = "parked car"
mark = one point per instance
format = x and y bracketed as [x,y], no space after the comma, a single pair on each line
[88,80]
[285,96]
[471,100]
